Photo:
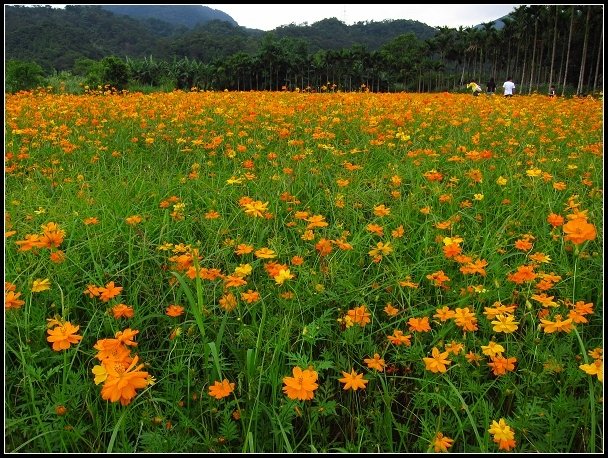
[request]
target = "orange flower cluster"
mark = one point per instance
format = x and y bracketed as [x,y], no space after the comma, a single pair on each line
[104,293]
[51,238]
[118,370]
[11,296]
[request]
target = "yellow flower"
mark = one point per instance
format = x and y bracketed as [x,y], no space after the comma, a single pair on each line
[100,374]
[501,181]
[40,285]
[596,368]
[243,270]
[505,323]
[478,196]
[492,349]
[284,274]
[353,381]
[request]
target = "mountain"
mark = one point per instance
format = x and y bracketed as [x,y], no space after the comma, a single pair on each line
[184,15]
[56,38]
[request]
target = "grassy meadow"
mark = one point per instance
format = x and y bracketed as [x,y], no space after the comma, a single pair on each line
[303,272]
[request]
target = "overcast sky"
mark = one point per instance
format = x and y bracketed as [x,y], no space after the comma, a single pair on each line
[268,17]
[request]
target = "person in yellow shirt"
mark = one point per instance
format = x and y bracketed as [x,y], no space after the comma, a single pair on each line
[476,88]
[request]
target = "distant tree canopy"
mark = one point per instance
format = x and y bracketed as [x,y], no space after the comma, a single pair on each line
[537,45]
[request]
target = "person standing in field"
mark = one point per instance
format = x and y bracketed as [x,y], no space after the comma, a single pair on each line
[491,87]
[509,87]
[552,91]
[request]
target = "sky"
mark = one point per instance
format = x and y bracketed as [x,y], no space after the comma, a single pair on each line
[269,17]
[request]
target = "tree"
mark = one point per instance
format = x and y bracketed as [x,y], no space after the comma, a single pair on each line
[22,75]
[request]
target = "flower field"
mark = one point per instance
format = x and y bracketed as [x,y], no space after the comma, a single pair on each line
[303,272]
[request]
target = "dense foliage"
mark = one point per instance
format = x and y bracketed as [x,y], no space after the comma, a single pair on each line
[538,45]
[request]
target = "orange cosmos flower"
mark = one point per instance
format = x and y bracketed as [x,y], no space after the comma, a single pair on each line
[558,325]
[57,256]
[555,220]
[234,281]
[302,385]
[316,221]
[546,301]
[390,310]
[174,310]
[30,241]
[353,381]
[501,365]
[523,274]
[297,260]
[441,443]
[228,302]
[323,246]
[476,267]
[92,291]
[419,324]
[123,311]
[454,347]
[250,296]
[465,319]
[256,208]
[133,220]
[579,231]
[221,389]
[438,278]
[376,362]
[126,337]
[376,229]
[399,339]
[445,313]
[359,315]
[52,236]
[473,358]
[63,336]
[381,210]
[110,291]
[90,221]
[121,383]
[265,253]
[12,301]
[438,362]
[243,248]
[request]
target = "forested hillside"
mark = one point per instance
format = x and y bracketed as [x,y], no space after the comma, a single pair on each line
[538,46]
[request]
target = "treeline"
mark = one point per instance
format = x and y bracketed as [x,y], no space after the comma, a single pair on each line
[539,45]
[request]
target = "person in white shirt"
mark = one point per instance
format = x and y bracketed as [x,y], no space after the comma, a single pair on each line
[509,86]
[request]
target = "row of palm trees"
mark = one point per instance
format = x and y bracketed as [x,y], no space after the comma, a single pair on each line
[539,46]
